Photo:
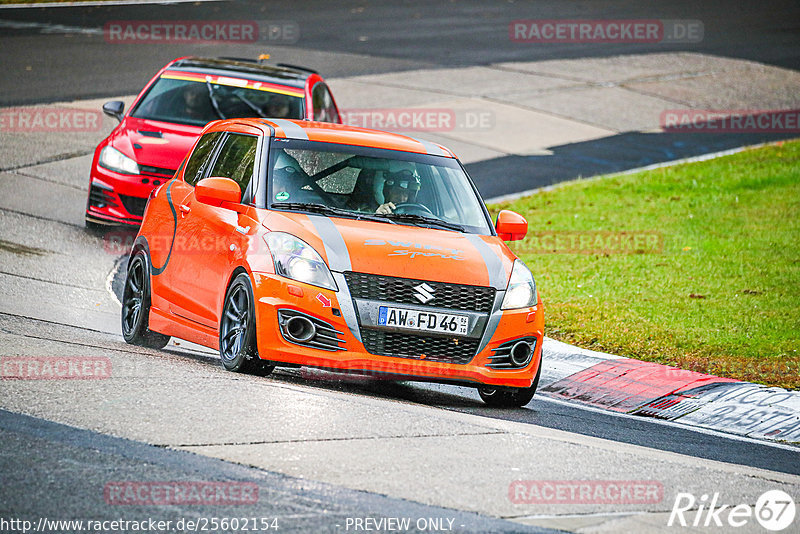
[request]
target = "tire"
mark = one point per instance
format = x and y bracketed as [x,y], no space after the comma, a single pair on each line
[136,306]
[500,397]
[237,331]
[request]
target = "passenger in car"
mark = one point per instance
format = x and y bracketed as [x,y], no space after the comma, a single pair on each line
[278,107]
[289,182]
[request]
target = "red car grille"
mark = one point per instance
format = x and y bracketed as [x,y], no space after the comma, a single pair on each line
[161,171]
[100,198]
[134,205]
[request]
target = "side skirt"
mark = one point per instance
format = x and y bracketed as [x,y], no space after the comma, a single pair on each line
[174,325]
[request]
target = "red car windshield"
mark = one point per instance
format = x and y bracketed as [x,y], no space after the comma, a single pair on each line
[199,102]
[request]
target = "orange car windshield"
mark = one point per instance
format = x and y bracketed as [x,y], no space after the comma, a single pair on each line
[396,187]
[197,102]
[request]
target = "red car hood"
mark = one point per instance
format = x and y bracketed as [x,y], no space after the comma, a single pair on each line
[401,250]
[163,144]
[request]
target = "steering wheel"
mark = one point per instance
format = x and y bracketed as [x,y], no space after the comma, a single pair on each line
[413,208]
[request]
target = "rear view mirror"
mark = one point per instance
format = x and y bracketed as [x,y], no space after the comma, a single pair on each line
[511,226]
[216,191]
[114,109]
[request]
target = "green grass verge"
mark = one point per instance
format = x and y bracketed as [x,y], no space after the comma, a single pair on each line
[719,292]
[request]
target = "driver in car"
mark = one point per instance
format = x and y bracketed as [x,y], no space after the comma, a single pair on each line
[399,188]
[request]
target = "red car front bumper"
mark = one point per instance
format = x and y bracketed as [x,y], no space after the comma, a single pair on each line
[116,198]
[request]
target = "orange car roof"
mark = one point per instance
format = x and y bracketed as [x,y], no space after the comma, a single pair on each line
[351,135]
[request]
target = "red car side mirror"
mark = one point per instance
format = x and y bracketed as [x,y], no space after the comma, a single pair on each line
[217,190]
[511,226]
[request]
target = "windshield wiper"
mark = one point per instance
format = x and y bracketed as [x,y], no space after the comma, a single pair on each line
[214,102]
[250,104]
[419,219]
[328,210]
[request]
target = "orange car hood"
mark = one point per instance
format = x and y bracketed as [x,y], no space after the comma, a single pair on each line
[401,250]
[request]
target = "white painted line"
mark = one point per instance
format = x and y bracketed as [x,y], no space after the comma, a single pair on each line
[49,28]
[692,428]
[110,281]
[559,347]
[693,159]
[102,3]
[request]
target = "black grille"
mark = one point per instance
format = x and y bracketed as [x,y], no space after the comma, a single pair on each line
[429,348]
[149,169]
[101,198]
[455,296]
[134,205]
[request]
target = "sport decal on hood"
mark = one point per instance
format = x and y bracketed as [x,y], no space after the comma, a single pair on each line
[404,248]
[405,251]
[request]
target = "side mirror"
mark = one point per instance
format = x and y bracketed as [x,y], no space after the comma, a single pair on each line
[216,191]
[114,109]
[511,226]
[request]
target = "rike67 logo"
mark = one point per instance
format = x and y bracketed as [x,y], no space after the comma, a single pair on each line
[774,511]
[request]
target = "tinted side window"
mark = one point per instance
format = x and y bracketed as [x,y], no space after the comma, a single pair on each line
[236,159]
[324,110]
[199,158]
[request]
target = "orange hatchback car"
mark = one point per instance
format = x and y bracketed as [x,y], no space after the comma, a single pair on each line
[297,243]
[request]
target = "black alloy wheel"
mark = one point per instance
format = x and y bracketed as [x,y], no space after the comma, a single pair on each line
[237,331]
[136,306]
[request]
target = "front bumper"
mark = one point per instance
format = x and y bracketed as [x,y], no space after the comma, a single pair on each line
[399,358]
[116,198]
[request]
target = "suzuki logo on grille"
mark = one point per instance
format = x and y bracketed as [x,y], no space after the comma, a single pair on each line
[424,293]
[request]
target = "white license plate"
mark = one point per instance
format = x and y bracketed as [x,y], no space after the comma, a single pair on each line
[443,323]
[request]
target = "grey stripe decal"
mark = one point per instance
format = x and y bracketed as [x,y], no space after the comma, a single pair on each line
[290,129]
[494,320]
[346,306]
[431,148]
[338,261]
[335,247]
[497,275]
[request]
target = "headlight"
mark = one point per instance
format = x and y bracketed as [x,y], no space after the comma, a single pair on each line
[521,292]
[113,159]
[297,260]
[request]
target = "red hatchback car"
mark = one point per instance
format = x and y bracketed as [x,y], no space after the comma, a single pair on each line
[166,118]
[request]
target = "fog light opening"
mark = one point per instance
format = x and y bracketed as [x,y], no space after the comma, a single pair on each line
[300,329]
[520,353]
